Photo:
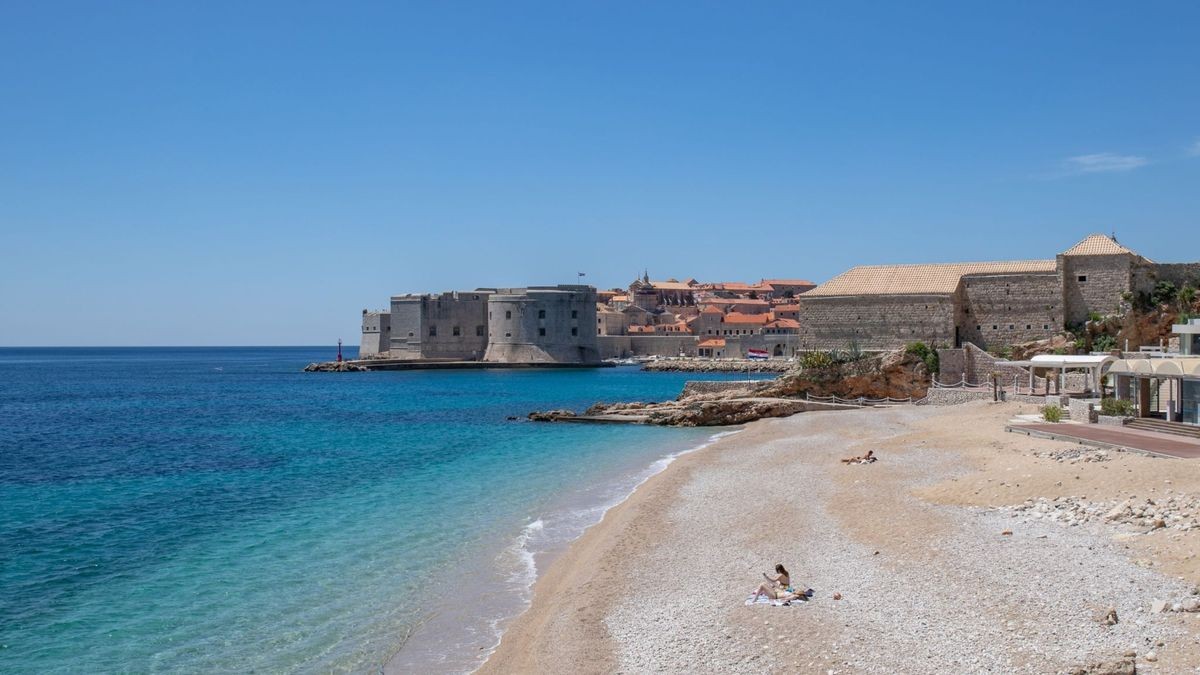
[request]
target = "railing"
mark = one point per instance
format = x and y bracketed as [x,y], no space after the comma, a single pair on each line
[861,401]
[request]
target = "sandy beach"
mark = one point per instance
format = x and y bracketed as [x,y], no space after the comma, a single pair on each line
[963,549]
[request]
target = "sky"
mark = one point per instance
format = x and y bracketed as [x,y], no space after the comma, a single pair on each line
[177,173]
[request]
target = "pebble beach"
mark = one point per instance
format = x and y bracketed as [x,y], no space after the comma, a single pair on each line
[963,549]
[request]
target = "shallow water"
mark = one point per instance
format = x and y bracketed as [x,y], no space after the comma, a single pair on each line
[190,510]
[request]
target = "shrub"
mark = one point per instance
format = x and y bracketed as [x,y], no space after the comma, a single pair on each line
[1116,408]
[816,360]
[927,354]
[1104,343]
[1095,316]
[1164,292]
[1052,413]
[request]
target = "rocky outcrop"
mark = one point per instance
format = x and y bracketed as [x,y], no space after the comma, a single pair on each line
[550,415]
[334,367]
[895,374]
[722,412]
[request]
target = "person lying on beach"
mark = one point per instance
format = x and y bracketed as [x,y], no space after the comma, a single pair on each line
[864,459]
[776,586]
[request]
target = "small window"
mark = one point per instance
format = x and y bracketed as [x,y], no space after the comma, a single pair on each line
[1028,326]
[597,331]
[1045,326]
[541,313]
[542,332]
[410,335]
[433,331]
[574,314]
[574,331]
[1010,326]
[508,335]
[1082,278]
[456,331]
[480,331]
[508,315]
[995,327]
[978,327]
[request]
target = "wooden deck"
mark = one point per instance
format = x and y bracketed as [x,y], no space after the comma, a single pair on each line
[1165,445]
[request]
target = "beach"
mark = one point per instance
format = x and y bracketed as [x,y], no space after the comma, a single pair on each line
[962,549]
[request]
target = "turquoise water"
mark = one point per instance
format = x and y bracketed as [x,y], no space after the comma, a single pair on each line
[186,510]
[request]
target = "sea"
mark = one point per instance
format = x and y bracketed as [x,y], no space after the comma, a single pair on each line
[192,510]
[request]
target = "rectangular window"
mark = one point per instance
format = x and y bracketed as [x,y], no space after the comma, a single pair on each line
[1082,278]
[480,331]
[1028,326]
[508,315]
[1045,326]
[995,327]
[433,331]
[574,314]
[542,332]
[541,313]
[456,331]
[574,331]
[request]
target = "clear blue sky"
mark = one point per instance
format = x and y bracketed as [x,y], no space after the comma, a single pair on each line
[257,173]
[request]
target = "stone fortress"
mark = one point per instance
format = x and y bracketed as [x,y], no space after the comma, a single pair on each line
[534,325]
[870,308]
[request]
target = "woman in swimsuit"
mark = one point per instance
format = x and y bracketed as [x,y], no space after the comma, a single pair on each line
[776,586]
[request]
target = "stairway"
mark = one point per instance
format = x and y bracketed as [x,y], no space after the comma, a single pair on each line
[1164,427]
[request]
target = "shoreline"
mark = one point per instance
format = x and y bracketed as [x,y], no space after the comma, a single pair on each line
[613,600]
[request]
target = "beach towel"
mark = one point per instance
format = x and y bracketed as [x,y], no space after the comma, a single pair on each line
[764,600]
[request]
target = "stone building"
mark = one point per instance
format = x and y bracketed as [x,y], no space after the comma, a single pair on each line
[989,304]
[538,324]
[376,333]
[542,324]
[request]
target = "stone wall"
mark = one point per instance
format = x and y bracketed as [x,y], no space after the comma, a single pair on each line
[542,324]
[1094,283]
[1083,410]
[1004,309]
[952,365]
[1178,274]
[376,333]
[450,325]
[875,323]
[625,346]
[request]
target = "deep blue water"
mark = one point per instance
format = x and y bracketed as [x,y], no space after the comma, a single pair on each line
[216,509]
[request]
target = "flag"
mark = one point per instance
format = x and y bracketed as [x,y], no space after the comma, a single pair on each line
[583,274]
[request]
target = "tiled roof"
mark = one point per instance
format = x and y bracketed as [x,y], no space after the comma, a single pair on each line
[738,317]
[786,282]
[735,301]
[787,308]
[713,342]
[1097,244]
[783,323]
[711,309]
[670,285]
[931,279]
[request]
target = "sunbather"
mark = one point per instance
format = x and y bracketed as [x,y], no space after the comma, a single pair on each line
[776,586]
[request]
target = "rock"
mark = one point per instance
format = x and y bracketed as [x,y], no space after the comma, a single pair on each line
[1151,657]
[1158,606]
[1007,533]
[334,367]
[837,596]
[1110,617]
[1123,666]
[550,415]
[1117,511]
[1192,604]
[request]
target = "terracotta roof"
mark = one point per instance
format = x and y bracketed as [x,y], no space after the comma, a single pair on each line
[787,308]
[712,310]
[670,285]
[713,342]
[641,329]
[620,298]
[738,317]
[783,323]
[930,279]
[1097,244]
[786,282]
[735,301]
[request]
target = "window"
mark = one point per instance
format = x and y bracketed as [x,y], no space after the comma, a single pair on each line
[574,314]
[508,335]
[597,322]
[995,327]
[508,315]
[542,332]
[574,331]
[433,331]
[456,331]
[597,331]
[1010,326]
[1082,278]
[978,327]
[541,313]
[1045,326]
[410,335]
[1028,326]
[480,331]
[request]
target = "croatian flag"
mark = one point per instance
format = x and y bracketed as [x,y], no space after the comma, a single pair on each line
[757,354]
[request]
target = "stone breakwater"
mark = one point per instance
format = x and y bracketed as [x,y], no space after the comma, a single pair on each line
[702,366]
[335,367]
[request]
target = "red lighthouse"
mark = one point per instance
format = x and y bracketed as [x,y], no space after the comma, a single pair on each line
[339,350]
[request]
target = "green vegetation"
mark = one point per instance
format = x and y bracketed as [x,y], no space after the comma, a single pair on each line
[1052,413]
[1164,292]
[1116,408]
[816,360]
[927,354]
[1104,343]
[1095,316]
